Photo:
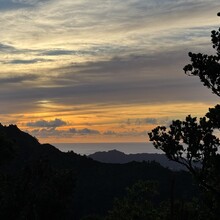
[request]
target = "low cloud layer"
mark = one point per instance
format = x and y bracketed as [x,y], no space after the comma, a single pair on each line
[70,133]
[73,132]
[47,124]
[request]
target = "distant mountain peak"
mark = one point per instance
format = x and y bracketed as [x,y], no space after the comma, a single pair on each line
[115,156]
[114,151]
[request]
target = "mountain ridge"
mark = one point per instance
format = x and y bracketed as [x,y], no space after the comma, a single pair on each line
[96,184]
[118,157]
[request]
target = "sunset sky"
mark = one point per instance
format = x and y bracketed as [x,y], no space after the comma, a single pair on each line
[101,70]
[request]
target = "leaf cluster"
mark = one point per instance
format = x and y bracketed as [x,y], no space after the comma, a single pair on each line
[192,143]
[207,67]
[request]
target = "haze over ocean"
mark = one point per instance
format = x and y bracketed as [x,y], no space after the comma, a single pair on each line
[90,148]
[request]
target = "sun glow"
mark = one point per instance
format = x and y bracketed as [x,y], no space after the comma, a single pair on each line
[90,123]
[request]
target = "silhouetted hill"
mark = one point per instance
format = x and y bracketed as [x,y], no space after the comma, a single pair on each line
[96,184]
[114,156]
[28,149]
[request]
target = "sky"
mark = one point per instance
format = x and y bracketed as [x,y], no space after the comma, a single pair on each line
[101,70]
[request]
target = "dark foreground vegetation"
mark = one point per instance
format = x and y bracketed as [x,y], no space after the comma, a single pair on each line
[40,182]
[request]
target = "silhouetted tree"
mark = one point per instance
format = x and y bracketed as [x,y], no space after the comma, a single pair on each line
[193,142]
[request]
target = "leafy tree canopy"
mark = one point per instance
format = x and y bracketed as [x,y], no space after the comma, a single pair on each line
[194,142]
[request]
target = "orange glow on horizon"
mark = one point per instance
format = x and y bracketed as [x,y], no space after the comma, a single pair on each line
[125,123]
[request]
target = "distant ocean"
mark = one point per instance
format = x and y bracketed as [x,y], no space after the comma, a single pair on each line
[90,148]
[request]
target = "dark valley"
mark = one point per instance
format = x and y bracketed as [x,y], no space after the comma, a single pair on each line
[39,180]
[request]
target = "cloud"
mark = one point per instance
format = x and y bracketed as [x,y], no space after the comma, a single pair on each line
[92,49]
[129,80]
[143,121]
[84,131]
[127,133]
[18,79]
[18,4]
[58,52]
[47,124]
[130,69]
[72,132]
[10,5]
[110,133]
[146,121]
[129,54]
[31,61]
[7,48]
[87,131]
[139,121]
[151,120]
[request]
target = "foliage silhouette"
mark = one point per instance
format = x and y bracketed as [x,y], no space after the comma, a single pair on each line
[139,204]
[38,192]
[193,142]
[207,67]
[136,204]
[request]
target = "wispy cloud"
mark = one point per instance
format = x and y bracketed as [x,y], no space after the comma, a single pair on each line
[128,80]
[147,121]
[7,48]
[58,55]
[19,4]
[18,78]
[31,61]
